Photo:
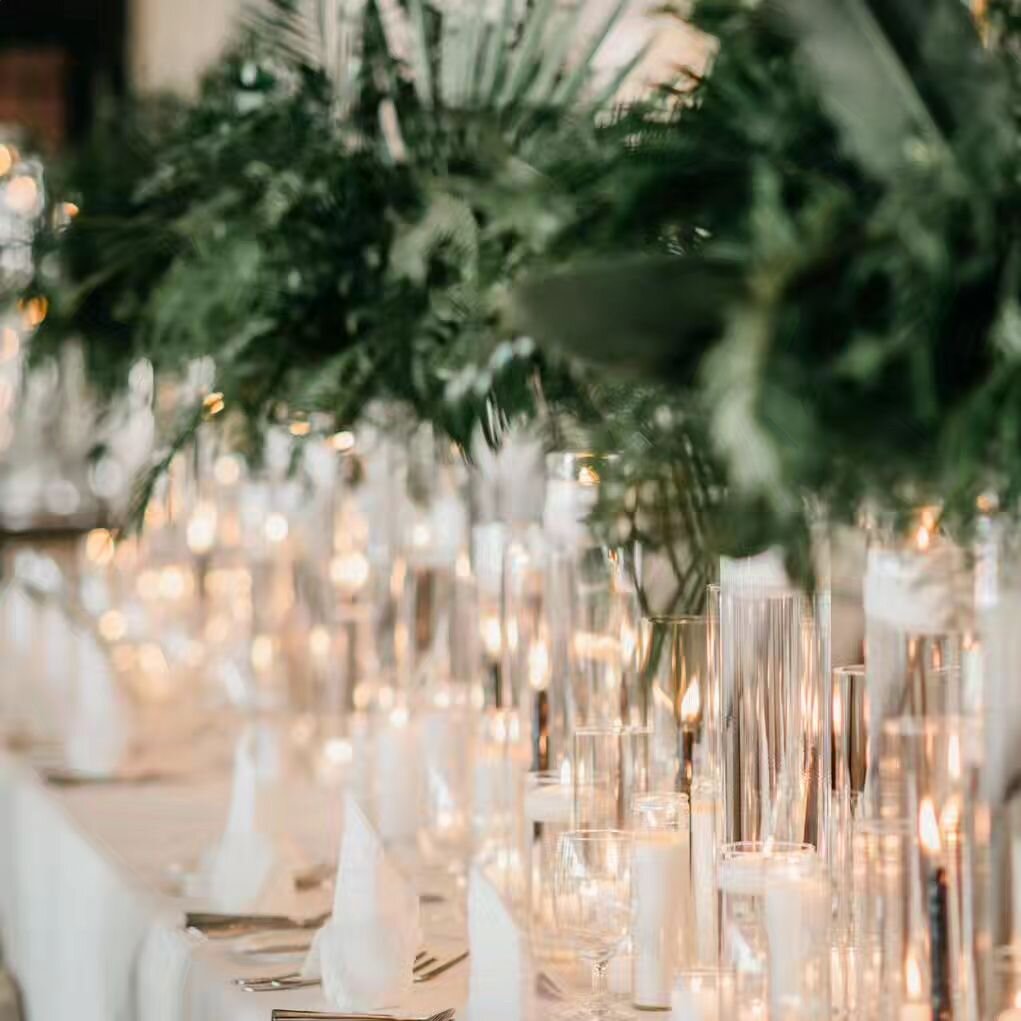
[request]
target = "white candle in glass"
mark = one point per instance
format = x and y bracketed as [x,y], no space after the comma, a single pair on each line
[660,896]
[705,808]
[695,997]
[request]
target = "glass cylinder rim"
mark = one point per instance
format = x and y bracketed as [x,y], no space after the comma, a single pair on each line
[579,836]
[670,800]
[675,618]
[910,725]
[767,848]
[851,670]
[615,729]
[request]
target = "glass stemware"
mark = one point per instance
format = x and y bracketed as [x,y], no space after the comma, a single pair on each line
[592,899]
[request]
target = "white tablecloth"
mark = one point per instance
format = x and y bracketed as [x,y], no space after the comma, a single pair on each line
[91,926]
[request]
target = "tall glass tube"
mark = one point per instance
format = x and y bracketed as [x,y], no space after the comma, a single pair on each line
[763,712]
[683,690]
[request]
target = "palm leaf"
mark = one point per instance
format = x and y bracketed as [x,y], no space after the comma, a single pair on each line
[572,85]
[882,70]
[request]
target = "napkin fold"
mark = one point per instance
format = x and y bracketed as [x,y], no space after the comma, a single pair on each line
[99,730]
[502,980]
[253,865]
[365,953]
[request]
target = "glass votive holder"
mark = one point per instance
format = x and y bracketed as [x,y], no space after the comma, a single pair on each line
[697,994]
[610,767]
[547,804]
[1007,983]
[660,896]
[775,930]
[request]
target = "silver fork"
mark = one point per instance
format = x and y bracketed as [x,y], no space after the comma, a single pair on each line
[319,1015]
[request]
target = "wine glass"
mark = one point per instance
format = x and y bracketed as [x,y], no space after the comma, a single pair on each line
[592,897]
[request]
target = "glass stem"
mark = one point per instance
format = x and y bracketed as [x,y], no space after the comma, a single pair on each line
[599,978]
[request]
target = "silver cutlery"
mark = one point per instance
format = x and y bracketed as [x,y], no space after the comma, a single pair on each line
[293,979]
[61,777]
[212,923]
[427,976]
[320,1015]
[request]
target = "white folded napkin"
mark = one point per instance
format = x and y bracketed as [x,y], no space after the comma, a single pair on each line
[502,981]
[99,729]
[365,953]
[253,865]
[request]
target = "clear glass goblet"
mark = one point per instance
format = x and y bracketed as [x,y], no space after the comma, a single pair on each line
[592,899]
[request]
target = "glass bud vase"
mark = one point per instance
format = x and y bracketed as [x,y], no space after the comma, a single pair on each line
[589,618]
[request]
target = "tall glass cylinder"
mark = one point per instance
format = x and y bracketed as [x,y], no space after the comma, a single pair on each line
[998,608]
[917,611]
[679,672]
[571,617]
[610,769]
[929,770]
[766,705]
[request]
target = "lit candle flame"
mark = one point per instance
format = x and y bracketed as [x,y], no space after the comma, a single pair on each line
[691,704]
[538,666]
[928,827]
[922,538]
[838,713]
[913,978]
[492,636]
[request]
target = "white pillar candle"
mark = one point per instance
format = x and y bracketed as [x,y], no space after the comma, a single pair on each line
[704,811]
[659,863]
[695,998]
[397,773]
[551,804]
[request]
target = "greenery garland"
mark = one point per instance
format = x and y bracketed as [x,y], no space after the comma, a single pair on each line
[801,266]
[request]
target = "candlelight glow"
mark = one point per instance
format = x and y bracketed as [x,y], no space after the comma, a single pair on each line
[838,713]
[319,642]
[492,637]
[691,704]
[201,532]
[588,476]
[538,666]
[349,571]
[928,827]
[912,978]
[343,442]
[954,757]
[922,538]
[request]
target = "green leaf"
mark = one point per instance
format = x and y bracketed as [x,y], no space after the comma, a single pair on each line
[651,316]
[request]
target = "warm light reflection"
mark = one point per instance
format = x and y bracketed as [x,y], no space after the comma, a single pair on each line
[7,155]
[691,704]
[588,476]
[214,404]
[349,572]
[22,195]
[276,527]
[922,538]
[300,428]
[33,311]
[99,547]
[492,637]
[928,827]
[343,442]
[912,978]
[954,757]
[538,666]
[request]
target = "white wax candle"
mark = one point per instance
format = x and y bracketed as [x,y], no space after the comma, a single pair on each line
[703,880]
[658,870]
[397,771]
[694,1001]
[549,804]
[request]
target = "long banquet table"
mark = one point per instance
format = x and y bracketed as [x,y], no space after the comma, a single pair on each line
[92,926]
